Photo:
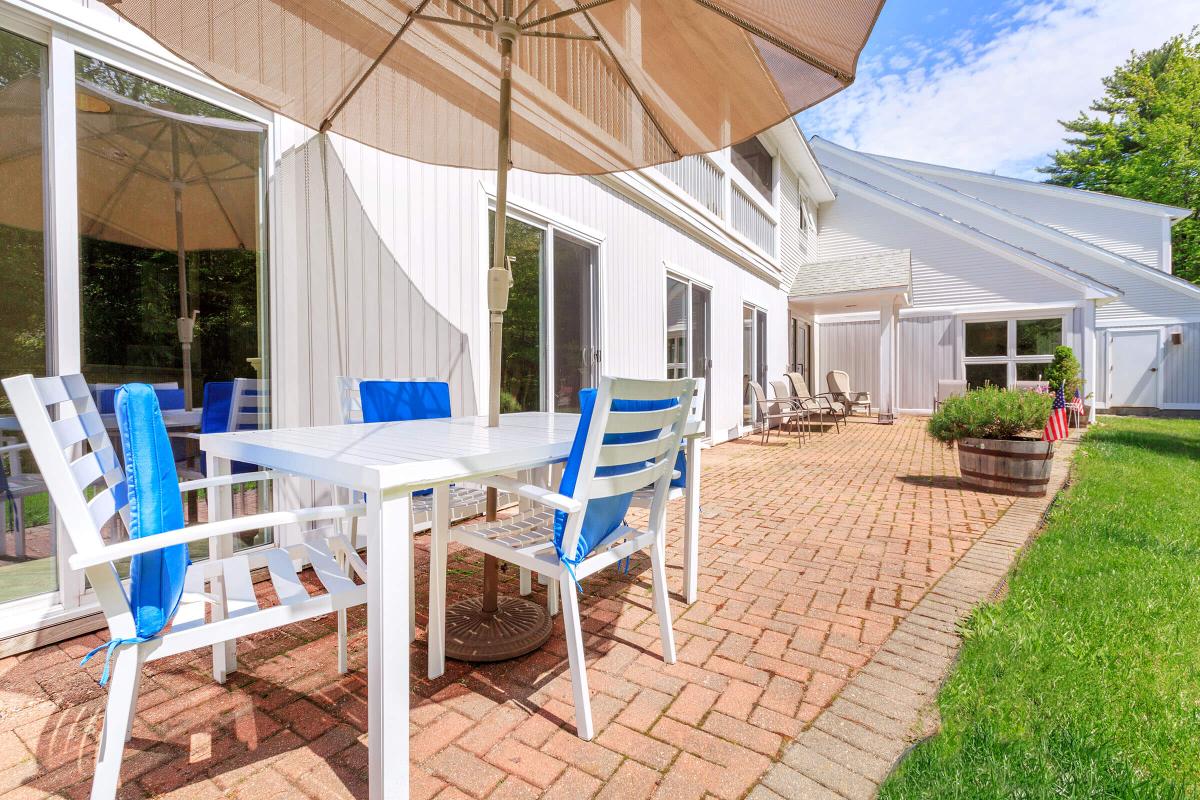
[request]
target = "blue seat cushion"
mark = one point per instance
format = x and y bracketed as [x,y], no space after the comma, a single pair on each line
[214,418]
[403,401]
[169,399]
[156,578]
[605,514]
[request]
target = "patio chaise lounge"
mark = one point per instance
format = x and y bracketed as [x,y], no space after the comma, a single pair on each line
[164,613]
[777,410]
[839,386]
[947,389]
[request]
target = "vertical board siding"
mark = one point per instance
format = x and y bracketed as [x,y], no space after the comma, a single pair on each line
[791,236]
[1181,367]
[928,353]
[852,347]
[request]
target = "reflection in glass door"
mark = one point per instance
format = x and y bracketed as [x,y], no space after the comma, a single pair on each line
[754,358]
[550,328]
[688,341]
[28,565]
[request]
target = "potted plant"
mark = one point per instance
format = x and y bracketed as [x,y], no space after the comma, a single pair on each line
[998,433]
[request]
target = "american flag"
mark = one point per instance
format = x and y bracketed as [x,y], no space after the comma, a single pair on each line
[1056,426]
[1077,403]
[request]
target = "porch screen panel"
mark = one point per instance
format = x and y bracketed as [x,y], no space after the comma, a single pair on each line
[27,562]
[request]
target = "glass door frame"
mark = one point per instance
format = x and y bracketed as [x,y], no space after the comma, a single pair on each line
[551,225]
[692,284]
[65,33]
[759,353]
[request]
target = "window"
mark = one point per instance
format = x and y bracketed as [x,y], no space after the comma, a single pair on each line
[999,352]
[688,332]
[756,164]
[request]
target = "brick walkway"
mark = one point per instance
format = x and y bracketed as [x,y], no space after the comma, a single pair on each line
[810,558]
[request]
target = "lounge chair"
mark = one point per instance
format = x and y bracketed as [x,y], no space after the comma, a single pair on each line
[774,410]
[947,389]
[839,387]
[786,398]
[819,404]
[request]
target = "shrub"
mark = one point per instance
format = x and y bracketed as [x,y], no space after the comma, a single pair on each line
[1064,371]
[990,413]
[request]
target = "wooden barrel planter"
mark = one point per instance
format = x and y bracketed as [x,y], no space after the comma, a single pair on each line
[1008,466]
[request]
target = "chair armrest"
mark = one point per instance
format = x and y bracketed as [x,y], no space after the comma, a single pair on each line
[227,480]
[13,448]
[538,494]
[211,530]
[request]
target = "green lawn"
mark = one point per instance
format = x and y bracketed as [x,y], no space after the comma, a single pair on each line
[1085,680]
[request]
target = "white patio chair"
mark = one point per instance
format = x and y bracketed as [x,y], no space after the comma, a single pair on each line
[644,498]
[947,389]
[74,453]
[15,486]
[466,501]
[786,399]
[601,475]
[839,386]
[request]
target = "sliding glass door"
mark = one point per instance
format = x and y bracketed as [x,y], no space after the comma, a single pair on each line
[754,358]
[689,343]
[551,327]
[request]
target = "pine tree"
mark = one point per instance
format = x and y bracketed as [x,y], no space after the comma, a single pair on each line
[1142,140]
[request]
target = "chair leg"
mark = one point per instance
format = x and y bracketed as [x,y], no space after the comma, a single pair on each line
[526,582]
[343,633]
[19,527]
[574,633]
[412,586]
[122,696]
[662,602]
[552,596]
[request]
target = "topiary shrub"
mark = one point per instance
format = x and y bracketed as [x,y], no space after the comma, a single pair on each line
[1064,371]
[990,413]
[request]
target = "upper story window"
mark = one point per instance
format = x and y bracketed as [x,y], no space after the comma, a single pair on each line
[756,164]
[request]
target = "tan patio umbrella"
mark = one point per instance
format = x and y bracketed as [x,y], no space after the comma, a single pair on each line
[149,177]
[560,86]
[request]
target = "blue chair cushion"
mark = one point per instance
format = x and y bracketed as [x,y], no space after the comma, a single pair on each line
[402,401]
[156,578]
[168,399]
[603,515]
[214,418]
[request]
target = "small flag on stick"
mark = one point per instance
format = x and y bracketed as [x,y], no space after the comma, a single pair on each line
[1056,426]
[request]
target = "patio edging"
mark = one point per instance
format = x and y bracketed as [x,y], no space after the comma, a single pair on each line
[855,743]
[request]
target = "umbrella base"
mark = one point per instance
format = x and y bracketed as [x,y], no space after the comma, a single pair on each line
[517,627]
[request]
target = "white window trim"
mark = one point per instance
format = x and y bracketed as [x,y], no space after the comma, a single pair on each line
[1010,359]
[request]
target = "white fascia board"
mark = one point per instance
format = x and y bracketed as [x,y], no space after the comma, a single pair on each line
[1063,192]
[790,141]
[882,165]
[1091,288]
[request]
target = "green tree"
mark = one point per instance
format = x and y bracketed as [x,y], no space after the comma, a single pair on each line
[1143,140]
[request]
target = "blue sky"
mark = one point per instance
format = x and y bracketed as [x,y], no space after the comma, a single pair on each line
[981,84]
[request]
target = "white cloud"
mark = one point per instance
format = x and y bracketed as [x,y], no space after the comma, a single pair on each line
[994,105]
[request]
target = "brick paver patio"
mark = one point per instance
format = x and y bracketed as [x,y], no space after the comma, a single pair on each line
[810,559]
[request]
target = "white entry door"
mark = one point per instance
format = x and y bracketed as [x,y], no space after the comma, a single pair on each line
[1133,362]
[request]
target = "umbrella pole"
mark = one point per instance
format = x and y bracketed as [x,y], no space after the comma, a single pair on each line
[185,324]
[491,628]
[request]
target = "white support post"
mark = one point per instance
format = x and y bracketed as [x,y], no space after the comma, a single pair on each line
[889,329]
[691,520]
[439,542]
[220,507]
[1090,360]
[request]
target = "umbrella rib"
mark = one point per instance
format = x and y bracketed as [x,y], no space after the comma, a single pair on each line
[208,182]
[629,82]
[771,38]
[525,11]
[458,23]
[566,12]
[327,123]
[551,35]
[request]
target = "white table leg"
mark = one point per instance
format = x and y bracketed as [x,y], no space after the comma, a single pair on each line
[691,519]
[220,507]
[388,520]
[439,542]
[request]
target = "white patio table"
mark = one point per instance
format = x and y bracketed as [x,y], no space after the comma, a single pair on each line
[387,461]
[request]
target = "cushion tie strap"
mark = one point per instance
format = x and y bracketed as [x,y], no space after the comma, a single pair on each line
[111,647]
[570,565]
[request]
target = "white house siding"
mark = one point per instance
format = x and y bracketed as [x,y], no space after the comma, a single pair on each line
[928,353]
[387,278]
[1181,375]
[1131,234]
[792,240]
[852,347]
[947,272]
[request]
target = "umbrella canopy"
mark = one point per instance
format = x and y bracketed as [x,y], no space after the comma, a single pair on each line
[598,85]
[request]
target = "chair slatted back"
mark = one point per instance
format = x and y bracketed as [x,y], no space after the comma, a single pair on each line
[248,404]
[799,385]
[350,401]
[660,432]
[696,413]
[74,453]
